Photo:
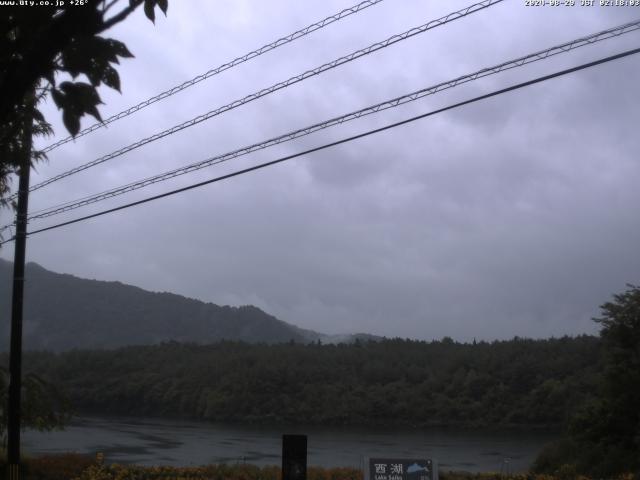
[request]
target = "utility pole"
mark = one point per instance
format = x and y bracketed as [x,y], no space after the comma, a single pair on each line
[15,355]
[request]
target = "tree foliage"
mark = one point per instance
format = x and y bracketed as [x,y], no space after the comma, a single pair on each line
[39,46]
[50,50]
[43,406]
[604,436]
[393,382]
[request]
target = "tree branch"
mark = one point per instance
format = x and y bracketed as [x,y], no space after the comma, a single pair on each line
[108,7]
[120,16]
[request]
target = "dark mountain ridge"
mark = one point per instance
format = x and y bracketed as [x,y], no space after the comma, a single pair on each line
[63,312]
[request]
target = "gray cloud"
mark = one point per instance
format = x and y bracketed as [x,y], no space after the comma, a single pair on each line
[514,216]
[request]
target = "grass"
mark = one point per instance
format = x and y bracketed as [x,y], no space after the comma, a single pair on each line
[83,467]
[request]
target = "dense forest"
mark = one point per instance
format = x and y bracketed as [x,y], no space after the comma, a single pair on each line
[399,382]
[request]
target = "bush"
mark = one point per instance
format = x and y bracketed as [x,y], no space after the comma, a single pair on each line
[209,472]
[568,459]
[52,467]
[554,455]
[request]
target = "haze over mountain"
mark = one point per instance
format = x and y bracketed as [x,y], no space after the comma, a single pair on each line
[64,312]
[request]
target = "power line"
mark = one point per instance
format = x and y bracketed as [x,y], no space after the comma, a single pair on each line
[219,69]
[518,62]
[344,140]
[278,86]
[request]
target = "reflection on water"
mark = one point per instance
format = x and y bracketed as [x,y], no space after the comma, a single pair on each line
[166,442]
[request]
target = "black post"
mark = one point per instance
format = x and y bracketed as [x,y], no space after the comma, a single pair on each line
[294,457]
[15,355]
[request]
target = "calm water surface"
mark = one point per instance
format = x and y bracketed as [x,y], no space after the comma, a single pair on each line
[166,442]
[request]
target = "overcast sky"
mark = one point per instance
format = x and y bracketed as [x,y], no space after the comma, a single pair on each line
[514,216]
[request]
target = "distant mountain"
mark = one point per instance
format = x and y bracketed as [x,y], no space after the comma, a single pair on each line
[63,312]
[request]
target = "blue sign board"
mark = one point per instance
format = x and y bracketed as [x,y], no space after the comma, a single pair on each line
[400,469]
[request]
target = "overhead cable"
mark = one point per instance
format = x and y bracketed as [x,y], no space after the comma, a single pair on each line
[278,86]
[219,69]
[410,97]
[342,141]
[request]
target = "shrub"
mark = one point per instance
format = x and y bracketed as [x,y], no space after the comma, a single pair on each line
[53,467]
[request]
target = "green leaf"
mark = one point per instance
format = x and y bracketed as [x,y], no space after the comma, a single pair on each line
[71,121]
[148,10]
[92,56]
[119,48]
[94,76]
[164,5]
[37,115]
[58,97]
[93,111]
[111,78]
[79,98]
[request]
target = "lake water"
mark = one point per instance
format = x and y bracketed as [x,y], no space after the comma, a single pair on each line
[166,442]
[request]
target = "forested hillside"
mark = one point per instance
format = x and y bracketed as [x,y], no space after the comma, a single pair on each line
[63,312]
[393,382]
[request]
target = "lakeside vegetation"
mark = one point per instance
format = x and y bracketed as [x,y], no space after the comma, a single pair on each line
[83,467]
[534,383]
[250,472]
[588,385]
